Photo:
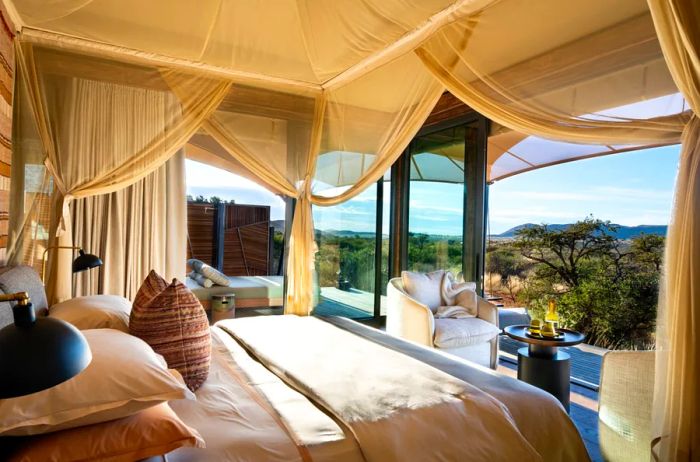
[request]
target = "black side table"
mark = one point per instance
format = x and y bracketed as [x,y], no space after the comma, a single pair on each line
[542,364]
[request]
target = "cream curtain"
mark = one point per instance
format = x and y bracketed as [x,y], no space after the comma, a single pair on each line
[280,138]
[104,128]
[134,230]
[677,384]
[565,82]
[307,96]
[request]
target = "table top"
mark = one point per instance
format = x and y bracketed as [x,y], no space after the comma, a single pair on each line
[571,337]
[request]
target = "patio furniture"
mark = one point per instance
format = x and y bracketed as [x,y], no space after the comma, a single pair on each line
[542,364]
[474,339]
[512,316]
[624,405]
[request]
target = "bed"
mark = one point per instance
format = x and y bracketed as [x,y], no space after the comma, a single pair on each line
[251,291]
[286,388]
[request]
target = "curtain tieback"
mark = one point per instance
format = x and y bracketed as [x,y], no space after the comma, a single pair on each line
[65,214]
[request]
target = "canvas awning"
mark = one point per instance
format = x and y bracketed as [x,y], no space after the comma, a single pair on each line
[606,57]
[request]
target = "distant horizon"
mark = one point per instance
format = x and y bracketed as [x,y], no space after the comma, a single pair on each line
[629,189]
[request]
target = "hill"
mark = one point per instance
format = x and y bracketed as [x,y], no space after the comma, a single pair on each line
[623,232]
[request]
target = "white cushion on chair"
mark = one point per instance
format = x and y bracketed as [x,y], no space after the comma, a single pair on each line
[454,333]
[425,288]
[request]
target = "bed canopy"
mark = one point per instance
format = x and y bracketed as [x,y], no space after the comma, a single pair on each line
[293,91]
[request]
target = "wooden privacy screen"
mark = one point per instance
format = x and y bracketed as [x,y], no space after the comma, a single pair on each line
[7,67]
[246,240]
[231,237]
[201,232]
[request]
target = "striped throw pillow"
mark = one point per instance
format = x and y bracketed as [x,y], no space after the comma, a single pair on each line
[153,285]
[175,325]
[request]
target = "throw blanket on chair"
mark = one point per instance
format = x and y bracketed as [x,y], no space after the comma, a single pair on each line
[398,408]
[459,298]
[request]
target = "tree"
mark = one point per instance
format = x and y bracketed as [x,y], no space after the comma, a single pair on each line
[503,259]
[563,253]
[648,249]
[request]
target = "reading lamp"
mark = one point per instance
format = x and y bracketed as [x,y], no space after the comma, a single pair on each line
[36,354]
[84,261]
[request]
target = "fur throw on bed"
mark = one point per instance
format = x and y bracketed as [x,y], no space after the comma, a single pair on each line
[459,298]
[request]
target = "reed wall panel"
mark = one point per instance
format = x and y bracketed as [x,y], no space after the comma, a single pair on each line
[7,74]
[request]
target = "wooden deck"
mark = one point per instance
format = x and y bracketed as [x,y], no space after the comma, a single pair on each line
[585,379]
[585,360]
[353,303]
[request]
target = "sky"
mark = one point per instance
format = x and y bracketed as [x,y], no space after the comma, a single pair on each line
[634,188]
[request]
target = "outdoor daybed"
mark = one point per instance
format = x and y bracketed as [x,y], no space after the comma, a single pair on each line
[250,291]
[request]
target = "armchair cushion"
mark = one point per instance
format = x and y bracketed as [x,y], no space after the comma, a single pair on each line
[459,332]
[425,288]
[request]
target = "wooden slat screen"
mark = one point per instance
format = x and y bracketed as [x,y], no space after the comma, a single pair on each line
[246,240]
[201,227]
[246,237]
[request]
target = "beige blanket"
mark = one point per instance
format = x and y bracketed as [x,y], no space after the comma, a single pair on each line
[398,408]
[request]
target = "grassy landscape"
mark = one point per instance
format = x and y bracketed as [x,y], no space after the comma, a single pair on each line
[604,285]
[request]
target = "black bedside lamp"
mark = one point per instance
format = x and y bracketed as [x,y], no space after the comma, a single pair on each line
[84,261]
[36,354]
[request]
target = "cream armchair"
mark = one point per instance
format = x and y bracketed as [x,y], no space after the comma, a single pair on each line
[474,339]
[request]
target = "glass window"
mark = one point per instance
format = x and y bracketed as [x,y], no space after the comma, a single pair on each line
[436,201]
[386,214]
[346,236]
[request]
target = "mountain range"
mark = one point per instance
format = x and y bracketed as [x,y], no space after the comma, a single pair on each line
[623,232]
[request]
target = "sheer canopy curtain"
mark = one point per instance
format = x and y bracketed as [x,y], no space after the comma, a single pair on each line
[104,126]
[134,230]
[677,382]
[280,138]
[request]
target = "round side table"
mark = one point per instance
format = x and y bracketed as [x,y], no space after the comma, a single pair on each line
[542,364]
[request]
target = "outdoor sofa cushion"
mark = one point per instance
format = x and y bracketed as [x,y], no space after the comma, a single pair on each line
[216,276]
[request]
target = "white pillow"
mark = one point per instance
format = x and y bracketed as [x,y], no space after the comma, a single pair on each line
[208,272]
[94,312]
[124,377]
[424,287]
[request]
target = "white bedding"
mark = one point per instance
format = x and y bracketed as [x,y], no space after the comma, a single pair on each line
[399,408]
[237,424]
[237,428]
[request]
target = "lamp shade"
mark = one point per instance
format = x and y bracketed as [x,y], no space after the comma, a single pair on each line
[36,354]
[85,261]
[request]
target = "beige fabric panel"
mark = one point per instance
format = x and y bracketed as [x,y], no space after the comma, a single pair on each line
[134,230]
[676,403]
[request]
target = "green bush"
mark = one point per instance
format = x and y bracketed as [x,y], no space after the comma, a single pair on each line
[604,287]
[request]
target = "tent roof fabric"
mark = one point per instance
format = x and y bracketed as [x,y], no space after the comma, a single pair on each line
[294,49]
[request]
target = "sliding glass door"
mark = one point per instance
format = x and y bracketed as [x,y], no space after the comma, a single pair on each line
[427,213]
[436,201]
